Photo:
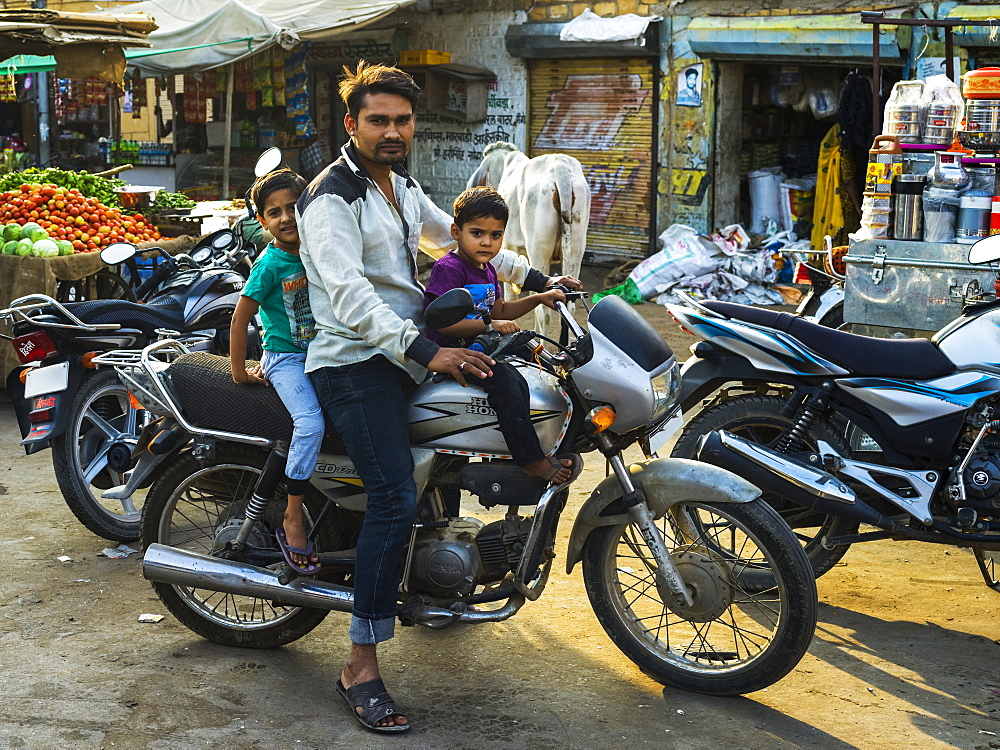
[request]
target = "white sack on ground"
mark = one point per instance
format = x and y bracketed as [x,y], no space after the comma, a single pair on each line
[685,254]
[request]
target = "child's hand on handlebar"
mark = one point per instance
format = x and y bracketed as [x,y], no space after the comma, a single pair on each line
[551,297]
[505,326]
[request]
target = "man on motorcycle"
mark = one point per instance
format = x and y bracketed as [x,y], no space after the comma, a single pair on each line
[361,221]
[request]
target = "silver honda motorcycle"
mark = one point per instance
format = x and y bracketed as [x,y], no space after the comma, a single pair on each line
[693,577]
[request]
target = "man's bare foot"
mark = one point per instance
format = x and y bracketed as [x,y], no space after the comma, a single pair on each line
[358,671]
[295,536]
[538,469]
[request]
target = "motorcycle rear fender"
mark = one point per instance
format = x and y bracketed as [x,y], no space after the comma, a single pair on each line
[664,482]
[61,411]
[700,377]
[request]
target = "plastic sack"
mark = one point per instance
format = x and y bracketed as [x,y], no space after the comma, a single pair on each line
[904,112]
[940,212]
[823,103]
[684,254]
[765,198]
[627,291]
[731,239]
[797,200]
[943,109]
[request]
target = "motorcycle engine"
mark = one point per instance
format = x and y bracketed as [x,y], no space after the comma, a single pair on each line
[451,561]
[982,482]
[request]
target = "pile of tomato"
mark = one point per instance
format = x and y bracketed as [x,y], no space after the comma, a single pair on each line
[66,214]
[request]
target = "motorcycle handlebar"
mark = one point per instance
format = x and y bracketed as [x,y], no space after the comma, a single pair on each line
[160,274]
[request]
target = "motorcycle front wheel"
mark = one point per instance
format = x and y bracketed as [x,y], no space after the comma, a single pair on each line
[740,634]
[102,415]
[200,507]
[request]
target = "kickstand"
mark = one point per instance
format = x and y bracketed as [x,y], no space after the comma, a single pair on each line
[988,566]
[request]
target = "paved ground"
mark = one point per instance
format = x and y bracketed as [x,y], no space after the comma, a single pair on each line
[907,655]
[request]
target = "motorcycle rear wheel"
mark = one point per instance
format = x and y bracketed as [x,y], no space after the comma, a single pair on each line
[101,415]
[758,419]
[736,638]
[198,507]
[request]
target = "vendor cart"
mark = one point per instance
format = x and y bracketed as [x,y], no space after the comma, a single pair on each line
[902,288]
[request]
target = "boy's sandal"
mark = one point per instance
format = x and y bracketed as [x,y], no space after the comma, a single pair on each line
[309,569]
[557,465]
[375,703]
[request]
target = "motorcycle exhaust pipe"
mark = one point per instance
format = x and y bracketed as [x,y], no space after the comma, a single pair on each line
[164,564]
[804,485]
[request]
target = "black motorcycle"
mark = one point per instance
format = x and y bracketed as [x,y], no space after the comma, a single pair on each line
[87,416]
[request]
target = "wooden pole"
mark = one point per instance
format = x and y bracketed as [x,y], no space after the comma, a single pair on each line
[228,148]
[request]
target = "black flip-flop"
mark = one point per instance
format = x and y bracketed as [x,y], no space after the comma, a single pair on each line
[311,569]
[376,704]
[557,464]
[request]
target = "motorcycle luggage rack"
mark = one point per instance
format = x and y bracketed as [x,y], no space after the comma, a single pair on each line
[20,308]
[148,363]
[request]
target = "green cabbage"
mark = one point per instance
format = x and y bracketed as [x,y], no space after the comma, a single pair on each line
[45,249]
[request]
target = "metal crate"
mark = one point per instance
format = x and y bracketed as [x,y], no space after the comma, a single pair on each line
[911,287]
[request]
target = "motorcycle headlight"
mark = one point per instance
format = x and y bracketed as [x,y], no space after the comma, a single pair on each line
[666,387]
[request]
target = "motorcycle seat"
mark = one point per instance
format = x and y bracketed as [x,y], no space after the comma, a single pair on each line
[203,386]
[165,312]
[913,359]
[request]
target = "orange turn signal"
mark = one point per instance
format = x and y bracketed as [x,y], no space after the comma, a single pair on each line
[87,360]
[134,402]
[23,375]
[602,418]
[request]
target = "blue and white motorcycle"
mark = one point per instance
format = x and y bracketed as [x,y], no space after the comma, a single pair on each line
[840,430]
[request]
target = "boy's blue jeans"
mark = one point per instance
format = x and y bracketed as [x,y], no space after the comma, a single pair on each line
[367,403]
[287,374]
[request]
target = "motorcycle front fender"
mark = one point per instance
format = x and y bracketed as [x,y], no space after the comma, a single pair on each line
[664,482]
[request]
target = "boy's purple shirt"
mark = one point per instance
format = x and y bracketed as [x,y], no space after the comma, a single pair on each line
[452,271]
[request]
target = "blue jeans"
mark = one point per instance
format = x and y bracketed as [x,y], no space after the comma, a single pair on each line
[287,374]
[367,403]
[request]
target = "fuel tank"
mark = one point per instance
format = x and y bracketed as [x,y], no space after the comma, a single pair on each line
[451,419]
[208,296]
[972,341]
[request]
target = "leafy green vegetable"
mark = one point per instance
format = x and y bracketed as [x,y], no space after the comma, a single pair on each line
[166,201]
[90,185]
[45,249]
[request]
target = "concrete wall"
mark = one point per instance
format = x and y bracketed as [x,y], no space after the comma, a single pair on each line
[446,152]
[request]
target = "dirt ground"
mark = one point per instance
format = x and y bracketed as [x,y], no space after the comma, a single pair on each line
[906,655]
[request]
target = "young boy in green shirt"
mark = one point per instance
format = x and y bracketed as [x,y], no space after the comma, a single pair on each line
[278,289]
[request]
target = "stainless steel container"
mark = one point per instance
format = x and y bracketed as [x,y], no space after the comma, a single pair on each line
[908,207]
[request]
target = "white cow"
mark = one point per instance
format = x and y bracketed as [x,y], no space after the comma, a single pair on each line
[549,203]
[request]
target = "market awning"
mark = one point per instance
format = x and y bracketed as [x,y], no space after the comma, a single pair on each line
[839,37]
[20,64]
[88,44]
[977,36]
[213,33]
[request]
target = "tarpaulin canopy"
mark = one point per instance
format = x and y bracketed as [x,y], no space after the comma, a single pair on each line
[198,35]
[89,44]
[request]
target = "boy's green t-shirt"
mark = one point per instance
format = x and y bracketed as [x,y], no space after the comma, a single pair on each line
[278,284]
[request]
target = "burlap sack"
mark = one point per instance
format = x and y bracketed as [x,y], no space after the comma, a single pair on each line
[23,275]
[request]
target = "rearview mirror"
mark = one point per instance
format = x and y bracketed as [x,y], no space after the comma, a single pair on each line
[985,251]
[268,161]
[448,309]
[118,253]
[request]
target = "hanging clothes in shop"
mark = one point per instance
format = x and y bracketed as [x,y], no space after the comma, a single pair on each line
[835,213]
